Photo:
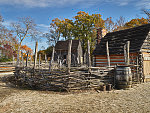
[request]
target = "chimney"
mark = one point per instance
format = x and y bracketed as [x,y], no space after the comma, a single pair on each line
[100,34]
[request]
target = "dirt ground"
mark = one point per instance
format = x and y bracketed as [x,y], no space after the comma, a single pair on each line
[134,100]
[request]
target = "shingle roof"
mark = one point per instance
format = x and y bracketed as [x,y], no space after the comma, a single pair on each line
[117,40]
[63,45]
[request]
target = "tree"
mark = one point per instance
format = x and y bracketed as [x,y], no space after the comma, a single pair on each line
[136,22]
[109,24]
[148,14]
[53,36]
[8,42]
[24,28]
[82,27]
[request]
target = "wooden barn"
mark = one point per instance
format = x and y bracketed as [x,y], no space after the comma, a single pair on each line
[115,45]
[61,51]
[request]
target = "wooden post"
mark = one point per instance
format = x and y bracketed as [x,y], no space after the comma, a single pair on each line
[36,50]
[69,55]
[30,59]
[52,59]
[27,59]
[18,57]
[39,60]
[89,58]
[128,52]
[45,58]
[108,57]
[125,54]
[137,69]
[22,60]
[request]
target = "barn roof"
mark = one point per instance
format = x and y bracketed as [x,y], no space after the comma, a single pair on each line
[63,45]
[117,40]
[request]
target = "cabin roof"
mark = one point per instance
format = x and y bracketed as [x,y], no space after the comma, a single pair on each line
[63,45]
[116,40]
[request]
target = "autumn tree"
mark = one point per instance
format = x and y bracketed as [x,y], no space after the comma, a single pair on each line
[136,22]
[8,42]
[82,27]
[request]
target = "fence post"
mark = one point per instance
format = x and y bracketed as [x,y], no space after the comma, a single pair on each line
[89,57]
[36,50]
[69,55]
[52,59]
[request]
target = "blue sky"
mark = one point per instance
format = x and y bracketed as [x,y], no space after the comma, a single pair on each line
[43,11]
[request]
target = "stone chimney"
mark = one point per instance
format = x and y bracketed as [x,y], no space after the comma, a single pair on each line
[100,34]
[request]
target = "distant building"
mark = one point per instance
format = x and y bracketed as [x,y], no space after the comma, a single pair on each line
[61,51]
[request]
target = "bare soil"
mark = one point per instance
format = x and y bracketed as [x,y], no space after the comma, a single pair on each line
[133,100]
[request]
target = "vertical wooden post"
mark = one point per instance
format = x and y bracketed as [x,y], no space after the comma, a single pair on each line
[18,57]
[137,69]
[27,59]
[30,59]
[36,50]
[125,54]
[52,59]
[128,52]
[45,58]
[22,60]
[108,57]
[39,60]
[69,55]
[89,57]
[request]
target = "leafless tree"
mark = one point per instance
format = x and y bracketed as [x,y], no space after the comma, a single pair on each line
[53,36]
[147,12]
[24,28]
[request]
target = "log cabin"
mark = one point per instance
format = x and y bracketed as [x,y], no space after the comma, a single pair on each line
[139,49]
[61,51]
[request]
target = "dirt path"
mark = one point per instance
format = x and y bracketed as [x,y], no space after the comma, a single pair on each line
[135,100]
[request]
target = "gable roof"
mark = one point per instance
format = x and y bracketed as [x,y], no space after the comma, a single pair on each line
[116,40]
[63,45]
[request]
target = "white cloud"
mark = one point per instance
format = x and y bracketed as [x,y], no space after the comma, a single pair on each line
[62,3]
[143,4]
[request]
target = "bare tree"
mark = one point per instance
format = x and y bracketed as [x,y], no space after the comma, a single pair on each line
[53,36]
[24,28]
[147,13]
[120,23]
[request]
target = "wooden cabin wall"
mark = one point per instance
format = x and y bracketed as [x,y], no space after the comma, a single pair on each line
[146,63]
[101,60]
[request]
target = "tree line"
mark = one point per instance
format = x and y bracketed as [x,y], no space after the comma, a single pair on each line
[81,27]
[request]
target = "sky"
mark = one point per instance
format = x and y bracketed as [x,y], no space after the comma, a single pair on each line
[43,11]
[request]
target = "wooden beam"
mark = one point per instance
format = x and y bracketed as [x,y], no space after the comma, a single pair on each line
[39,60]
[69,55]
[36,50]
[108,57]
[52,59]
[27,59]
[128,52]
[89,57]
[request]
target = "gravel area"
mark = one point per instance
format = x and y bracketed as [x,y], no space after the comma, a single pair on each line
[134,100]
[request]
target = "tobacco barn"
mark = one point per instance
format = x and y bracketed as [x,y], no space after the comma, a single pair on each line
[61,51]
[139,49]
